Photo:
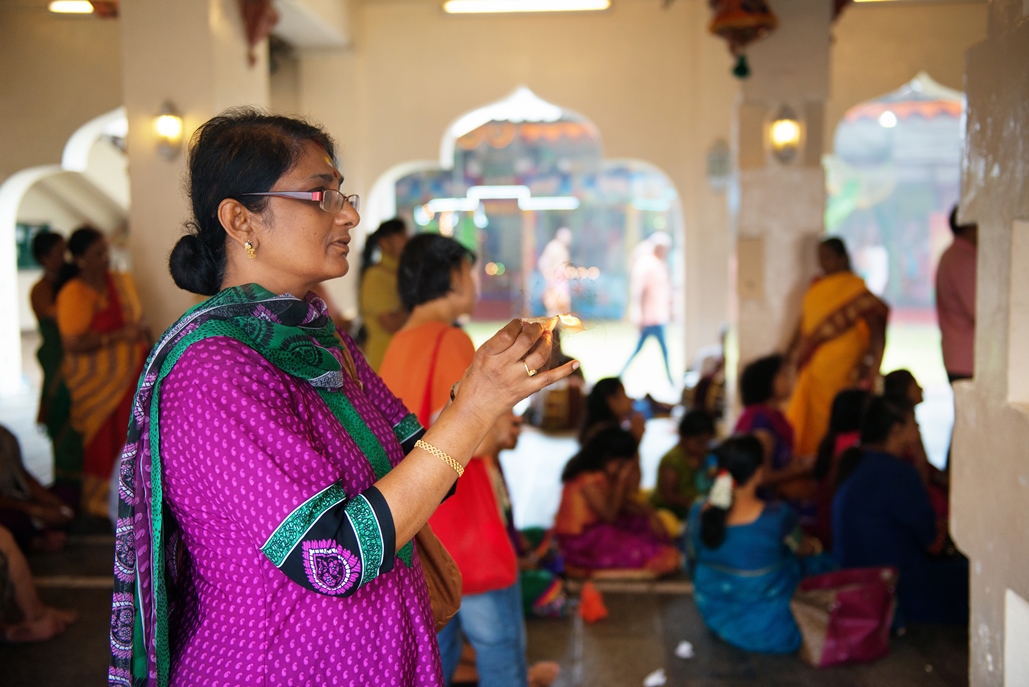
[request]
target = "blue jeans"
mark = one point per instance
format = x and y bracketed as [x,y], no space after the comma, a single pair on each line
[495,627]
[658,332]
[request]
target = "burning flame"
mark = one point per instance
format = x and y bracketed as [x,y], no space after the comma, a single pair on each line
[569,323]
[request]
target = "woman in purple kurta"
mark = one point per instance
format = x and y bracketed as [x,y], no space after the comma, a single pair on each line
[286,631]
[271,484]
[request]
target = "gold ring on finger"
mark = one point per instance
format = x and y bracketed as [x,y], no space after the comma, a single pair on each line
[531,372]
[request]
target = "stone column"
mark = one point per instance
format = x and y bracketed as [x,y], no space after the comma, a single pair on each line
[778,213]
[193,54]
[990,469]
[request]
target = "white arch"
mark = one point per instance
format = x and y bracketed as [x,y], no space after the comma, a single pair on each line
[12,191]
[76,150]
[521,106]
[382,199]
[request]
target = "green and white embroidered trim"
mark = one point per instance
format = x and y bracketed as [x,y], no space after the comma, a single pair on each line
[407,427]
[369,536]
[289,533]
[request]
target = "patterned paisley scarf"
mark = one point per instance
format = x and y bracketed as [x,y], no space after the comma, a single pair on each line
[294,335]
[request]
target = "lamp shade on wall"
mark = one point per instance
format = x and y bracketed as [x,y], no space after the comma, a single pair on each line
[784,135]
[168,130]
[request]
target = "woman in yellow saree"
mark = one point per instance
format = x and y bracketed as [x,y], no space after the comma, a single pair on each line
[101,324]
[839,343]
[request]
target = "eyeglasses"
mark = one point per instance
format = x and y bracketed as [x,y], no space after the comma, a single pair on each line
[328,200]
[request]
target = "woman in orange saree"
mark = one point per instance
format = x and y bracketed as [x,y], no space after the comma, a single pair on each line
[839,344]
[101,325]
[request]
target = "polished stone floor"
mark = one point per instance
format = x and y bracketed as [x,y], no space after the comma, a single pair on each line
[645,625]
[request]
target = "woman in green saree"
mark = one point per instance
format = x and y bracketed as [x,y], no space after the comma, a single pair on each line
[48,248]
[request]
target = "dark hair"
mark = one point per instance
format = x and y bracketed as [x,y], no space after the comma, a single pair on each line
[242,150]
[696,423]
[43,243]
[757,383]
[897,383]
[78,243]
[426,268]
[837,246]
[598,411]
[390,227]
[607,445]
[81,239]
[740,456]
[848,411]
[881,416]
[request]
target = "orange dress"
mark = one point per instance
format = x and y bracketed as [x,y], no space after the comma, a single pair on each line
[410,357]
[101,382]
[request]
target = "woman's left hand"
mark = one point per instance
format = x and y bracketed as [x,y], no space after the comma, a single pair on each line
[510,366]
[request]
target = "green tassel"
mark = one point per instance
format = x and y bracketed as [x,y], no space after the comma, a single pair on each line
[742,69]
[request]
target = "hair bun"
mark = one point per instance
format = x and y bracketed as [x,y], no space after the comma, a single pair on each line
[195,267]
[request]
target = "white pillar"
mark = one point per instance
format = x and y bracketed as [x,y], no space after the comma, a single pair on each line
[781,206]
[191,53]
[989,467]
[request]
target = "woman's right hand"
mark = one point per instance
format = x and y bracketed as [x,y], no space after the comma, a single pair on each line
[499,376]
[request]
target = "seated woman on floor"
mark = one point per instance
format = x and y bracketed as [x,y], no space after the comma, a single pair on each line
[598,525]
[764,388]
[848,411]
[748,555]
[882,516]
[682,475]
[23,616]
[902,387]
[609,406]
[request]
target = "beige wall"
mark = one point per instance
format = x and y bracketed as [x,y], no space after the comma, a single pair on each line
[654,81]
[990,492]
[878,47]
[59,73]
[657,86]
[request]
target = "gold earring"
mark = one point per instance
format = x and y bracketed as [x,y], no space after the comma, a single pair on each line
[249,248]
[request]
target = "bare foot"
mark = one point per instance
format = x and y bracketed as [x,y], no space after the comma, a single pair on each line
[51,623]
[543,673]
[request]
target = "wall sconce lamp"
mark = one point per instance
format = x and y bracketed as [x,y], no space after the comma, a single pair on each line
[71,7]
[784,134]
[168,128]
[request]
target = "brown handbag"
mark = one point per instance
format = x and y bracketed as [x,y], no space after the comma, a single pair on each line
[442,576]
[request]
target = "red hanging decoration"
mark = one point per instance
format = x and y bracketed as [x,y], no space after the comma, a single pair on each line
[105,10]
[741,22]
[259,18]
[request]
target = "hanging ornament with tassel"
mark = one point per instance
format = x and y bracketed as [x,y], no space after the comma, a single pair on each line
[740,23]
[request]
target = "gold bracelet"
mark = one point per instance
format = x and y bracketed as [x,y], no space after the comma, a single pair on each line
[429,448]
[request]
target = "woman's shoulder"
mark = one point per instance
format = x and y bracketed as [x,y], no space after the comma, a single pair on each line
[75,288]
[223,356]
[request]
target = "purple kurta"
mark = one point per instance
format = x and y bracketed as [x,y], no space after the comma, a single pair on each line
[244,444]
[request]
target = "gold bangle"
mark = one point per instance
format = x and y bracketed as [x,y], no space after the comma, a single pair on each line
[429,448]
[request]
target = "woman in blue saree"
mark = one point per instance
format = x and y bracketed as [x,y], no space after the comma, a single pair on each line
[749,555]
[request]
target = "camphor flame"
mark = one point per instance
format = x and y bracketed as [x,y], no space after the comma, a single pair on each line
[569,322]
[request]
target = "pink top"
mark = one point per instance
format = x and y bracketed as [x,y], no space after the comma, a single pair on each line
[650,295]
[955,306]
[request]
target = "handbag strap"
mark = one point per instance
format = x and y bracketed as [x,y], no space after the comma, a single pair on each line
[426,411]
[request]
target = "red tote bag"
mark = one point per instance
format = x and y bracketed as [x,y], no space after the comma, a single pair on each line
[469,525]
[845,616]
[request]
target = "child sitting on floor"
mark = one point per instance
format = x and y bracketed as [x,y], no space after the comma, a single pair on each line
[683,475]
[599,526]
